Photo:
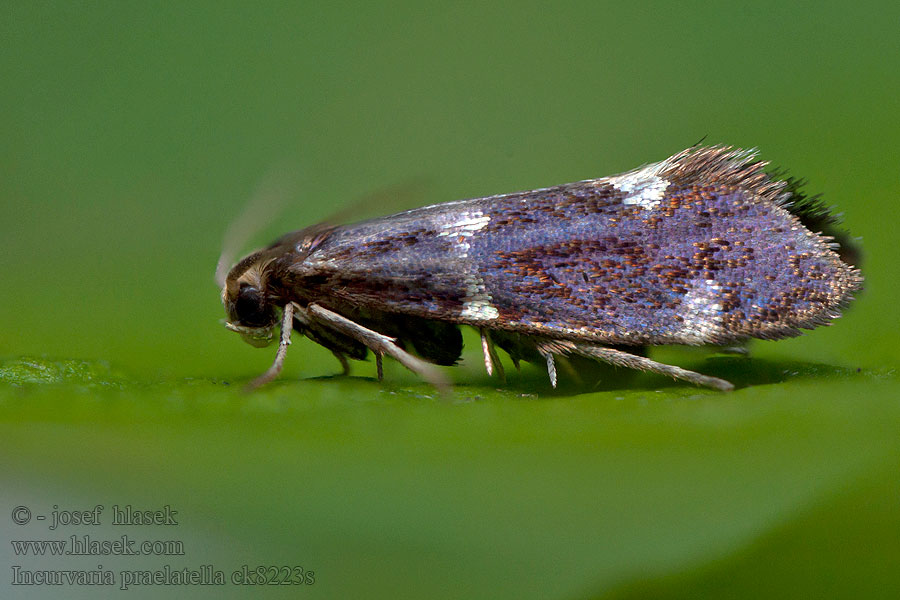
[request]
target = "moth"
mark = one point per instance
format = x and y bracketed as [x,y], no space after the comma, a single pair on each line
[703,248]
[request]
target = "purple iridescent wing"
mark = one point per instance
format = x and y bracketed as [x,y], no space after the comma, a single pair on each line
[700,248]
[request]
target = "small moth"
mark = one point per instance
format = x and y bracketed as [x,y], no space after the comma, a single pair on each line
[703,248]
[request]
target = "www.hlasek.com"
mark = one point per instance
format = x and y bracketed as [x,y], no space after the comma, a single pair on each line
[85,545]
[167,575]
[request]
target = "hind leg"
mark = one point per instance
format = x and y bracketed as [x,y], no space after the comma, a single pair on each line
[642,363]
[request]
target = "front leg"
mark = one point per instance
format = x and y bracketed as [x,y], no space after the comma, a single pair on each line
[287,325]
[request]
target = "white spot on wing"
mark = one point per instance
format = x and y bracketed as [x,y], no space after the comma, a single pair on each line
[701,310]
[467,225]
[477,302]
[645,188]
[479,310]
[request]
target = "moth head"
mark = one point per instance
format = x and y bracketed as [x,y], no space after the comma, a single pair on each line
[250,312]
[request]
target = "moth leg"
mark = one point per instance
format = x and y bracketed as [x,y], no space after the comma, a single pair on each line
[624,359]
[551,365]
[379,344]
[379,368]
[491,360]
[341,346]
[486,351]
[343,359]
[287,325]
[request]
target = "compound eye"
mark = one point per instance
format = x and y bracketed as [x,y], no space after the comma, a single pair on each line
[251,308]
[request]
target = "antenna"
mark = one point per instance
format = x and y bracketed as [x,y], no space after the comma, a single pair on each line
[267,201]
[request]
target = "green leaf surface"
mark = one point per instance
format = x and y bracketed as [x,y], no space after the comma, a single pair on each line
[386,488]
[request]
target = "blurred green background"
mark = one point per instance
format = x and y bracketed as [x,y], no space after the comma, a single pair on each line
[132,133]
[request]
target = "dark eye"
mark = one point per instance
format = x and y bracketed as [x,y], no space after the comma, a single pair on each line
[251,309]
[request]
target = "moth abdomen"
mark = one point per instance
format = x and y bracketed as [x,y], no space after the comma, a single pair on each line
[436,341]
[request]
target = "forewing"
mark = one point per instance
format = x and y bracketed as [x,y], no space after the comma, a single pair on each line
[695,249]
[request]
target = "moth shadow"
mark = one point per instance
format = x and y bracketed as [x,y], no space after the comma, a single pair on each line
[583,376]
[745,372]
